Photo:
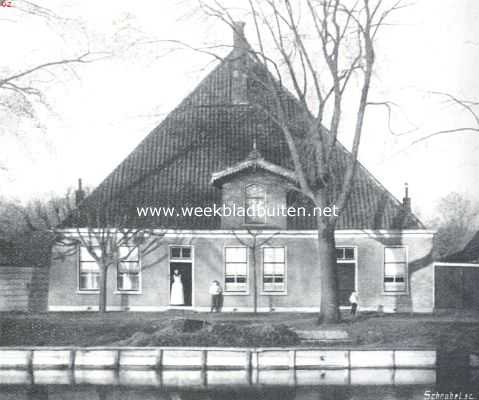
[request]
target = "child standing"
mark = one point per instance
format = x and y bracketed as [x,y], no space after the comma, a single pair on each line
[354,300]
[215,292]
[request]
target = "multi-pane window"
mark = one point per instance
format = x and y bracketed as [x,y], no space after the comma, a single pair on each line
[89,271]
[128,275]
[236,269]
[345,254]
[180,253]
[395,269]
[255,204]
[274,269]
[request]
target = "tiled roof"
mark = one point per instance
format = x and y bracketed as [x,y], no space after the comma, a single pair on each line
[253,162]
[209,132]
[469,254]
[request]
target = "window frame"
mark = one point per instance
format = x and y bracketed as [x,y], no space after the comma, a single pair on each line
[245,203]
[236,293]
[283,292]
[406,274]
[140,287]
[355,260]
[80,290]
[180,259]
[190,260]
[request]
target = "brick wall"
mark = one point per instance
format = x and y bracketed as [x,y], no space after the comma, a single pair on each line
[303,275]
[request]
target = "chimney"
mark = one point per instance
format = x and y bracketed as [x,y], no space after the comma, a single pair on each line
[239,65]
[79,193]
[406,201]
[239,40]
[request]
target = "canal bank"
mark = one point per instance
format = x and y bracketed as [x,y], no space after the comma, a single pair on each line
[202,358]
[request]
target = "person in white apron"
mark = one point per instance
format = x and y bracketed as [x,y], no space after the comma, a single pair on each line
[177,297]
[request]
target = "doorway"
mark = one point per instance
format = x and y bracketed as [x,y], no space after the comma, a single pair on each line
[456,286]
[184,270]
[346,283]
[181,260]
[346,258]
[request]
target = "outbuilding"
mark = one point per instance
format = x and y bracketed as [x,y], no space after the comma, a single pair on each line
[456,281]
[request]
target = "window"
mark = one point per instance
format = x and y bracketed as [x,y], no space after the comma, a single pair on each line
[128,274]
[345,254]
[395,269]
[181,253]
[89,272]
[236,269]
[274,269]
[255,204]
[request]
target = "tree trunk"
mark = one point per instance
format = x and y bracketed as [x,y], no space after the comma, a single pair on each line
[255,283]
[102,295]
[329,307]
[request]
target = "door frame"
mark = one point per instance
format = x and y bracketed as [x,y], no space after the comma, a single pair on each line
[356,268]
[447,264]
[192,262]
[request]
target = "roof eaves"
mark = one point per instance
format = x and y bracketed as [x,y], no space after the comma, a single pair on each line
[255,163]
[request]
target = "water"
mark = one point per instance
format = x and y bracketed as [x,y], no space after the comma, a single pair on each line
[366,384]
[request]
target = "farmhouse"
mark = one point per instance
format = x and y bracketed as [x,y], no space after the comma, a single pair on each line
[219,148]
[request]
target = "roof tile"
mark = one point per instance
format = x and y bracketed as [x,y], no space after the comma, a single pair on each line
[206,133]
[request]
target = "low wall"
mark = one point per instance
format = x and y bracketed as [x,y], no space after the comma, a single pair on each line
[209,358]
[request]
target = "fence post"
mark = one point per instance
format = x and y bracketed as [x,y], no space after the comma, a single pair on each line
[292,359]
[159,360]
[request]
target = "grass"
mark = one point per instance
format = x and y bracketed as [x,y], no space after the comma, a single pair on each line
[450,332]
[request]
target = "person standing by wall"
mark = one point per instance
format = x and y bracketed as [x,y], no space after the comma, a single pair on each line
[177,297]
[215,292]
[354,300]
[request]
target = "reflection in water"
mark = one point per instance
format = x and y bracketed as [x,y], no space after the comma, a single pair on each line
[356,384]
[217,379]
[264,393]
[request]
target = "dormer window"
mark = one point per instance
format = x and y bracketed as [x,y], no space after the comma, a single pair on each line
[255,204]
[245,184]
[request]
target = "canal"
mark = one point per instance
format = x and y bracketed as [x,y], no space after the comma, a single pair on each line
[360,384]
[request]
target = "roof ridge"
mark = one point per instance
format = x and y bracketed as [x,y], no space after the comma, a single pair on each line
[158,127]
[207,132]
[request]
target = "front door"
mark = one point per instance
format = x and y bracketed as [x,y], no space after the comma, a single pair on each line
[449,287]
[456,287]
[346,278]
[346,269]
[181,276]
[180,284]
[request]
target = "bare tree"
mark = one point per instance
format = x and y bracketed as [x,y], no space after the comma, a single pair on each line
[253,243]
[456,223]
[106,237]
[22,88]
[19,94]
[109,245]
[471,107]
[324,50]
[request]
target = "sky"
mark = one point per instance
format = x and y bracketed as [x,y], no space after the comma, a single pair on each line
[100,111]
